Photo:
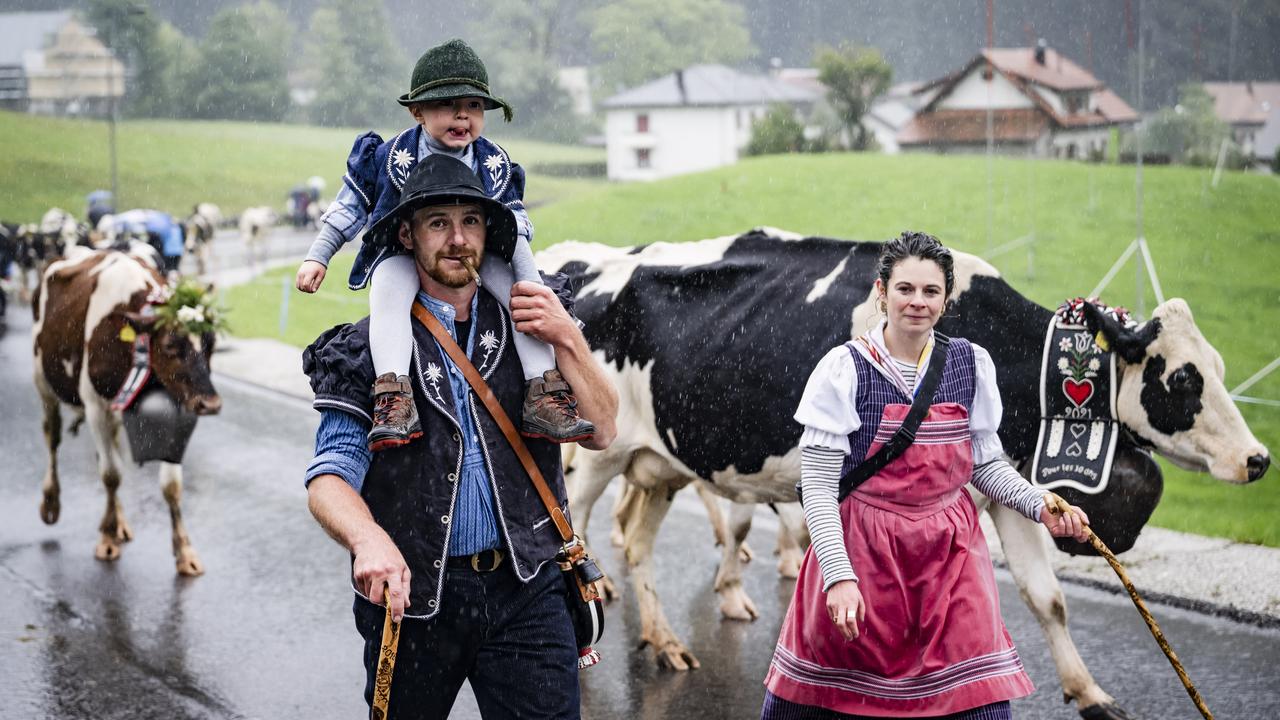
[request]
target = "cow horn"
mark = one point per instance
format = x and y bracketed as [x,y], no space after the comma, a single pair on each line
[1129,343]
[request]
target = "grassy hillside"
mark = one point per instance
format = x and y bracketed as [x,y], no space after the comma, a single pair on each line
[171,165]
[1219,249]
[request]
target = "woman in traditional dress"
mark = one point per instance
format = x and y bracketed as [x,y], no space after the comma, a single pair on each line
[896,612]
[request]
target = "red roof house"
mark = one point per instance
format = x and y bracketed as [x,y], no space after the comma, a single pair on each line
[1039,101]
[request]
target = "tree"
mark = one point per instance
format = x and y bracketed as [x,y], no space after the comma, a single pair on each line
[635,42]
[133,32]
[355,65]
[854,78]
[777,132]
[242,68]
[524,63]
[1189,132]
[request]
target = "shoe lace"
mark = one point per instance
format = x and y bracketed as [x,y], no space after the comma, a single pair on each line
[387,410]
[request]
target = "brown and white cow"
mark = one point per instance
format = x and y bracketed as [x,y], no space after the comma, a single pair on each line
[201,226]
[83,305]
[710,344]
[255,225]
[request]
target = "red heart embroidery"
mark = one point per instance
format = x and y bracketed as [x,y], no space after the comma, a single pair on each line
[1077,392]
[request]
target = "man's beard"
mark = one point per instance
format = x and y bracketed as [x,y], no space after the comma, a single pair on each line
[458,278]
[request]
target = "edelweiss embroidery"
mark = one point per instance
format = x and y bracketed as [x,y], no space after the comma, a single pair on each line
[488,341]
[402,159]
[433,375]
[493,164]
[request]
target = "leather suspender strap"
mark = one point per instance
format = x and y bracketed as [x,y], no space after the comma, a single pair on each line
[906,434]
[499,416]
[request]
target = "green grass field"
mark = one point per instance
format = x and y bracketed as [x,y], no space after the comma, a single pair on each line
[171,165]
[1218,248]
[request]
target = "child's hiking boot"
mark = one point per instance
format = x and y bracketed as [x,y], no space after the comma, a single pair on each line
[395,417]
[551,411]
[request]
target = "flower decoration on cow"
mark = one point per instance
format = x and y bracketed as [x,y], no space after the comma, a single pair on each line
[189,307]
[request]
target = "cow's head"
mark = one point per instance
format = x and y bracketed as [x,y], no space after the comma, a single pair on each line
[183,331]
[1172,396]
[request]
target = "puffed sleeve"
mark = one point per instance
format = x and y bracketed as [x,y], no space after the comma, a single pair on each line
[362,168]
[340,369]
[828,408]
[559,284]
[984,417]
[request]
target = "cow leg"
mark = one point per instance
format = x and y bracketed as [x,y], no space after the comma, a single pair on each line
[734,602]
[623,508]
[184,555]
[719,528]
[1027,550]
[102,424]
[587,476]
[791,530]
[51,504]
[651,507]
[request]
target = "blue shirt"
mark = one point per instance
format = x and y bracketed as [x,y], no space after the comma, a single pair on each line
[342,450]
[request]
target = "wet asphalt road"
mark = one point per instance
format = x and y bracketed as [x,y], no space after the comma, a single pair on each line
[266,632]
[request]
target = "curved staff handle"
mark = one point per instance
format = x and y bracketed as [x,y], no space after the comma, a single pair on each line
[1057,506]
[386,661]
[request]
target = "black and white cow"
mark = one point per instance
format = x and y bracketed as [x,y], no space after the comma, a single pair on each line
[710,344]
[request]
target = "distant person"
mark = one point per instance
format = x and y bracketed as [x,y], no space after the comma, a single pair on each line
[98,204]
[448,95]
[159,229]
[895,612]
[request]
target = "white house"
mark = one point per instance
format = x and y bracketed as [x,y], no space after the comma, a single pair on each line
[1040,102]
[693,119]
[52,63]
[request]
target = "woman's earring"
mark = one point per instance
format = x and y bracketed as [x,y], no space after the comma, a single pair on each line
[884,307]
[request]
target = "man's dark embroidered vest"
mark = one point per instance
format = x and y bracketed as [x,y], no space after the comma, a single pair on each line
[412,490]
[875,391]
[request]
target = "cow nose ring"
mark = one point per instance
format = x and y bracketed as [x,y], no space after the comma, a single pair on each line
[1258,465]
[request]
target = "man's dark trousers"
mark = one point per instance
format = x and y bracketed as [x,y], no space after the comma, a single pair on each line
[513,641]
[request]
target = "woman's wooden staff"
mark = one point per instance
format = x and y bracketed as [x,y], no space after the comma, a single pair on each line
[1057,506]
[386,661]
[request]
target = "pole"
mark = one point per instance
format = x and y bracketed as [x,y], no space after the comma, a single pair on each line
[111,124]
[1138,279]
[991,136]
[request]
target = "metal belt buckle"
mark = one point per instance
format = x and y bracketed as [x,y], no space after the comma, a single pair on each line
[475,561]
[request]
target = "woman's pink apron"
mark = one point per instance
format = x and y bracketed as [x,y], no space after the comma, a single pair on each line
[933,642]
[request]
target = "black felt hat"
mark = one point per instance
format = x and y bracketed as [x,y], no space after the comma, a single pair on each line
[452,70]
[441,180]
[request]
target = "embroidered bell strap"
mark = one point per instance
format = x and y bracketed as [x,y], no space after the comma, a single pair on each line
[1078,428]
[139,372]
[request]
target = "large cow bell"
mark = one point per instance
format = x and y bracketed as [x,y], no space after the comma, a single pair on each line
[1118,513]
[158,427]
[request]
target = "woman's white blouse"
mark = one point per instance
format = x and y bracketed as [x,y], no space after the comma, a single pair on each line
[829,407]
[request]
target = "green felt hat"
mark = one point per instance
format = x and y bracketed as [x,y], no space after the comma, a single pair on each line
[449,71]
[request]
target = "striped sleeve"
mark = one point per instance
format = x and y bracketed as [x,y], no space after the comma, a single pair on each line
[820,477]
[1000,482]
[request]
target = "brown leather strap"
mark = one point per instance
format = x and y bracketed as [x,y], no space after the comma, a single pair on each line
[499,416]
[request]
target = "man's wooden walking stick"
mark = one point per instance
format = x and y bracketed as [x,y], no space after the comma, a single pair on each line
[1057,506]
[386,661]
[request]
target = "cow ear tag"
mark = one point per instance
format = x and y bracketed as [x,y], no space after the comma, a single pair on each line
[1101,341]
[128,334]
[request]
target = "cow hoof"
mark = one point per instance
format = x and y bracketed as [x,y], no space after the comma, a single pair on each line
[1105,711]
[736,605]
[189,564]
[745,554]
[123,533]
[789,565]
[49,510]
[107,549]
[674,656]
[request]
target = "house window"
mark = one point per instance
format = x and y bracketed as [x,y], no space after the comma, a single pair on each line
[642,158]
[642,123]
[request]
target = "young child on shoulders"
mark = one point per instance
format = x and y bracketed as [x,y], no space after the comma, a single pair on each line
[448,96]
